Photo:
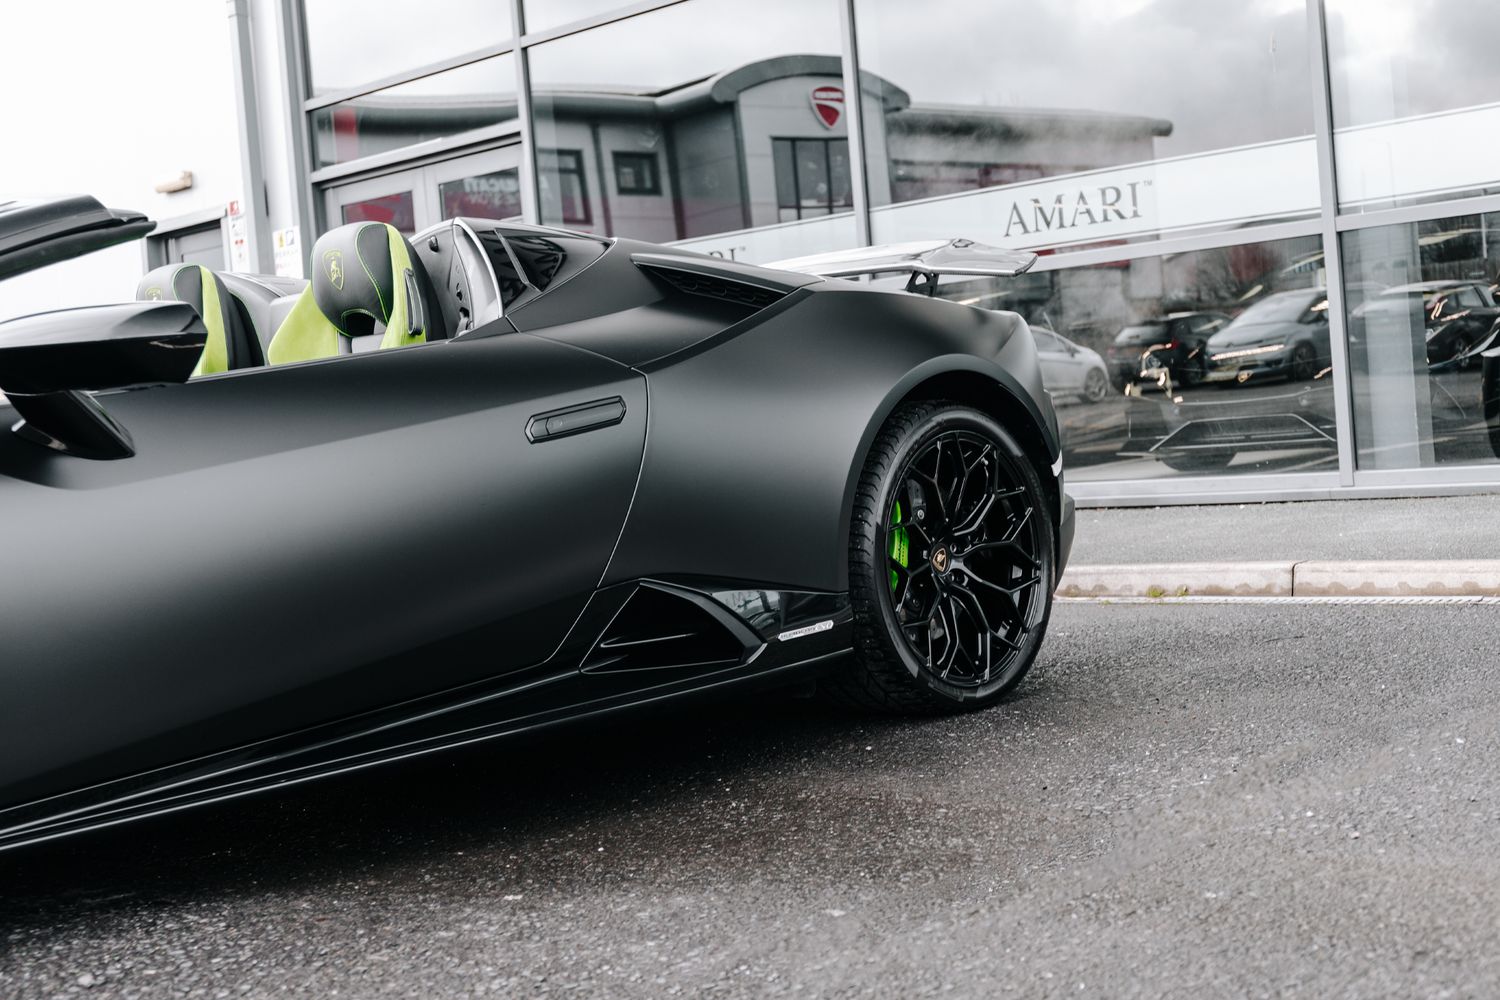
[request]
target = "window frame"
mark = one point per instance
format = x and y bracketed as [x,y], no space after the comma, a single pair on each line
[830,206]
[580,170]
[624,157]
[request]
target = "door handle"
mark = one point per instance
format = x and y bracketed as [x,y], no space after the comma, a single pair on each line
[575,419]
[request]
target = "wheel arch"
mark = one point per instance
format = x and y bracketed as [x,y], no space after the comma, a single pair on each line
[973,382]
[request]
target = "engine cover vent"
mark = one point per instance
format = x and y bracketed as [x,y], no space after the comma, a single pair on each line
[723,289]
[662,629]
[751,288]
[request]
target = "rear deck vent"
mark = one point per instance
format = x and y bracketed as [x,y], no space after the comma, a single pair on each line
[663,630]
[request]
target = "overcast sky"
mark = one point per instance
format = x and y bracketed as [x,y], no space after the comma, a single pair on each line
[107,97]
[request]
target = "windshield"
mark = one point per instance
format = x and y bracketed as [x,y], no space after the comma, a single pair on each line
[1283,307]
[1146,331]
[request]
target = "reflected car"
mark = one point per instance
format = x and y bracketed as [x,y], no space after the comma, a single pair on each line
[1206,432]
[1458,319]
[1070,369]
[1283,335]
[414,505]
[1175,342]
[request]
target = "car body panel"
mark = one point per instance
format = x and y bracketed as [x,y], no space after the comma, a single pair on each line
[321,566]
[290,527]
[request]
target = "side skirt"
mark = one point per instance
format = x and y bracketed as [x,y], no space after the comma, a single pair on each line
[782,635]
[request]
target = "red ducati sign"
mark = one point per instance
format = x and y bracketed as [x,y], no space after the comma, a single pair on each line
[828,104]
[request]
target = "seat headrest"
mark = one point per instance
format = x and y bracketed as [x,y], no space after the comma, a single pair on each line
[200,288]
[364,282]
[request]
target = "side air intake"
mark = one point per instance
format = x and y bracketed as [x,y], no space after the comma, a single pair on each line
[667,629]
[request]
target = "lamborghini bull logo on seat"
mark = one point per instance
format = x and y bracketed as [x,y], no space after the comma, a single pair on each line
[153,294]
[333,263]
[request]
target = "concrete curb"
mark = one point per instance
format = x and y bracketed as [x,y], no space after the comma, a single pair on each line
[1443,578]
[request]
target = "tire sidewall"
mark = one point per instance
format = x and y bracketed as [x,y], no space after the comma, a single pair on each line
[1095,386]
[940,422]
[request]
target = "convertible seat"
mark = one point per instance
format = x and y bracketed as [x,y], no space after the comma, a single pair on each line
[231,343]
[253,296]
[366,280]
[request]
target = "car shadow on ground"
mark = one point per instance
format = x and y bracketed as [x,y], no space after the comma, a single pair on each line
[507,796]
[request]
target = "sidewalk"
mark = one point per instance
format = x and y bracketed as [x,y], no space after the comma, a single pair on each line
[1439,546]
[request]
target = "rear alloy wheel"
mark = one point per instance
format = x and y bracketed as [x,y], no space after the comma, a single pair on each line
[951,565]
[1095,385]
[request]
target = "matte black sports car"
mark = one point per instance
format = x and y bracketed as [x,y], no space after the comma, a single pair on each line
[487,480]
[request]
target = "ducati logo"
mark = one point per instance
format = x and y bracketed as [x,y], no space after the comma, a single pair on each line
[940,560]
[333,263]
[828,105]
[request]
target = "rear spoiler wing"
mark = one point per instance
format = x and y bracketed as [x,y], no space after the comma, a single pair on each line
[924,260]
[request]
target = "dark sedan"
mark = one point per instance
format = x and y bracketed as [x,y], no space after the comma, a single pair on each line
[1175,342]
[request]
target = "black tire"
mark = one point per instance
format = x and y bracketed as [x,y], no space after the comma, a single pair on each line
[886,673]
[1095,386]
[1192,373]
[1303,364]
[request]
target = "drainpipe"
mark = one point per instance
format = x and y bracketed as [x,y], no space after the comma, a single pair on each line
[252,170]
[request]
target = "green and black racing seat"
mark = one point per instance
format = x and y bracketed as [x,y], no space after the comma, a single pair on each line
[231,344]
[366,280]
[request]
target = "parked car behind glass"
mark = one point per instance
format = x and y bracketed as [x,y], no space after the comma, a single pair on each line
[1069,369]
[1174,342]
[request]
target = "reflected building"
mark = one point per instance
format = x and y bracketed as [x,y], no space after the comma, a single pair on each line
[1175,163]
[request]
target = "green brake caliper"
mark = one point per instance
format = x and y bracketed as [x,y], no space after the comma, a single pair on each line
[900,547]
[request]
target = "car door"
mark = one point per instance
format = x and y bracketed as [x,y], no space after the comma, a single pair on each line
[298,544]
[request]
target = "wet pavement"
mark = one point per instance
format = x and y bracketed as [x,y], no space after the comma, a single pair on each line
[1181,800]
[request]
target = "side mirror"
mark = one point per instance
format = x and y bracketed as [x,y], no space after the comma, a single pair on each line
[48,361]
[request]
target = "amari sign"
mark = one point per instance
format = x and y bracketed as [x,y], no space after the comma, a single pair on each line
[1218,190]
[1087,207]
[1222,189]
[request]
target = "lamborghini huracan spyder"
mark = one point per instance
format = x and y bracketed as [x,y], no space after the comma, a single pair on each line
[257,530]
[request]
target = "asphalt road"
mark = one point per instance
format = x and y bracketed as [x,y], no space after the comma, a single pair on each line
[1181,801]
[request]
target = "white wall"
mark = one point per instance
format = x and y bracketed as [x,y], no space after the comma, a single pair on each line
[107,98]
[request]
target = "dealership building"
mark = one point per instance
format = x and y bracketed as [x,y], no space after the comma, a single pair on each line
[1327,169]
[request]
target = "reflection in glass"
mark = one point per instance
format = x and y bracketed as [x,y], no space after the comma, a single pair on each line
[349,44]
[1425,393]
[701,118]
[1416,99]
[494,195]
[396,209]
[564,187]
[542,15]
[1214,361]
[433,107]
[1046,124]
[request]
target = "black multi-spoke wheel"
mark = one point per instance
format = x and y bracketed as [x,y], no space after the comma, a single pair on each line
[951,563]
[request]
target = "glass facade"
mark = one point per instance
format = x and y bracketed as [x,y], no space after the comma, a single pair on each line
[1416,100]
[349,45]
[467,97]
[1267,229]
[1099,123]
[732,119]
[1424,389]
